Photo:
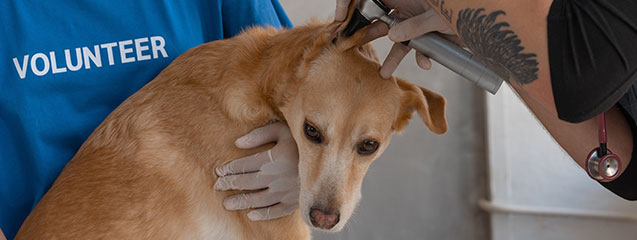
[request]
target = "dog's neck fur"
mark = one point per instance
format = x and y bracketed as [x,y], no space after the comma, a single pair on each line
[271,75]
[279,75]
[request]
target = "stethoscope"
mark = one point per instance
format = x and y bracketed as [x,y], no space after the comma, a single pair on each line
[601,163]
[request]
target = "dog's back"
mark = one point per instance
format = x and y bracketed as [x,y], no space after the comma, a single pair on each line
[147,171]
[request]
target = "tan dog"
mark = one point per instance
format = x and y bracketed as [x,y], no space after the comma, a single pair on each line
[147,171]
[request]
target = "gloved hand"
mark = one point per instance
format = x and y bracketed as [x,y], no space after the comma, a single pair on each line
[275,169]
[419,17]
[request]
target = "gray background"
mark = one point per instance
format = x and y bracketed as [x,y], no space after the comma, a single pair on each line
[424,186]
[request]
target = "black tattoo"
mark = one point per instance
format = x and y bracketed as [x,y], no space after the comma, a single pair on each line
[447,13]
[498,48]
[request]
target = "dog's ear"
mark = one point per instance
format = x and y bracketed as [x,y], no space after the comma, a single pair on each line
[343,42]
[429,105]
[339,26]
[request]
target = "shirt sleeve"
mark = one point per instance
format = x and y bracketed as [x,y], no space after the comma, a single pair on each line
[592,55]
[237,15]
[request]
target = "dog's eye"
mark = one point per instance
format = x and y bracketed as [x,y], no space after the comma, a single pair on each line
[367,147]
[312,133]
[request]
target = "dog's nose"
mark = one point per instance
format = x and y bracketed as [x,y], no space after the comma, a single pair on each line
[323,219]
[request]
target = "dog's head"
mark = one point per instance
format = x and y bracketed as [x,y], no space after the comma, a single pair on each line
[342,117]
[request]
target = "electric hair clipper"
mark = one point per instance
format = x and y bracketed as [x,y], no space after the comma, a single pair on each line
[432,45]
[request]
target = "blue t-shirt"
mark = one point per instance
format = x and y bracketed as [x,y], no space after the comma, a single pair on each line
[65,65]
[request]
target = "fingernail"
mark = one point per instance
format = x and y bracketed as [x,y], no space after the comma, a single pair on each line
[240,141]
[218,172]
[243,141]
[219,185]
[254,216]
[383,74]
[423,64]
[230,203]
[390,35]
[393,35]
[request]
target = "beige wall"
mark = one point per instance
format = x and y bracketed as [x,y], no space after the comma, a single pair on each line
[424,186]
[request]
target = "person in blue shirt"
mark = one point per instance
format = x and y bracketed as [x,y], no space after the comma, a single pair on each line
[65,65]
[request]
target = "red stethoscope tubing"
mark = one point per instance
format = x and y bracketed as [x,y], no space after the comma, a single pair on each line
[601,134]
[601,120]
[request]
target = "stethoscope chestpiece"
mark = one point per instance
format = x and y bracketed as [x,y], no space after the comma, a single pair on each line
[605,168]
[601,164]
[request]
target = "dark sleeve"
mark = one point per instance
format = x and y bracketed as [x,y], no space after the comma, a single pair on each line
[592,55]
[625,185]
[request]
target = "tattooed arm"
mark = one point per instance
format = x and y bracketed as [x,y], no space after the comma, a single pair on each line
[511,38]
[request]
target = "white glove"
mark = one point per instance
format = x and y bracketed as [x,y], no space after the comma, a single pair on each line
[275,169]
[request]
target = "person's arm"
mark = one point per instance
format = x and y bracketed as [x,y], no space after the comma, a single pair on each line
[511,36]
[481,24]
[2,237]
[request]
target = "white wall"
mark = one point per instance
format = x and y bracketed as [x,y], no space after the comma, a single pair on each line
[530,172]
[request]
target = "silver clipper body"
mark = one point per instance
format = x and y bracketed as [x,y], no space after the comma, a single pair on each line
[432,45]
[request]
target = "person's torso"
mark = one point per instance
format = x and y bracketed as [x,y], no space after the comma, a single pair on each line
[65,65]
